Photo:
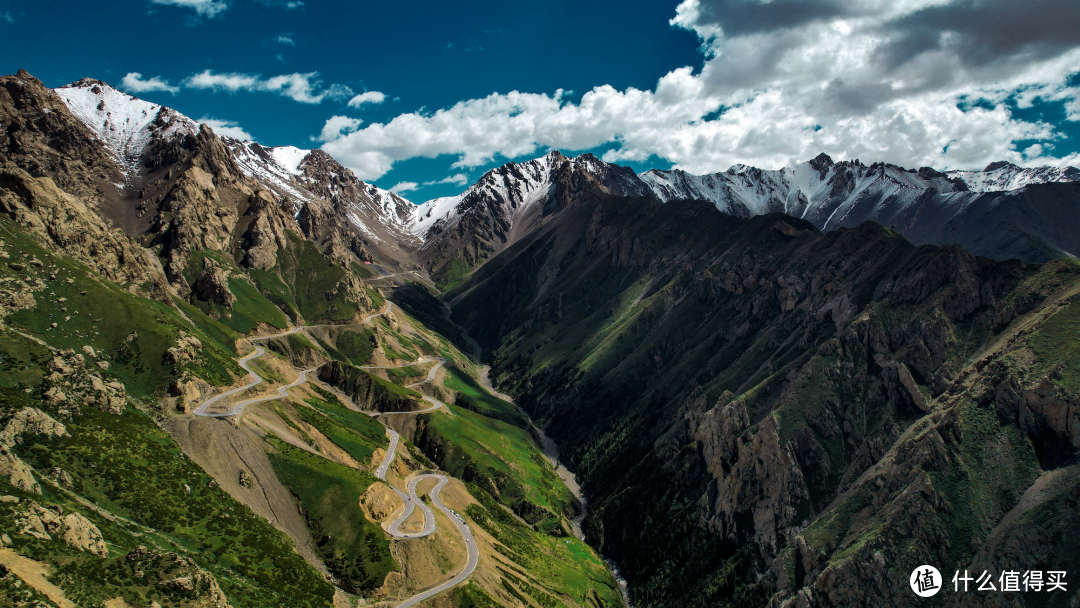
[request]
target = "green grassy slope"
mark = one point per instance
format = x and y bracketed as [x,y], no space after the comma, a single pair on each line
[132,333]
[126,463]
[354,549]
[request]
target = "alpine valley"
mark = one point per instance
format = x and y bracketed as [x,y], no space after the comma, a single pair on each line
[237,375]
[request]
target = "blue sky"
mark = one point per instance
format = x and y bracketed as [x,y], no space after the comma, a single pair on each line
[456,88]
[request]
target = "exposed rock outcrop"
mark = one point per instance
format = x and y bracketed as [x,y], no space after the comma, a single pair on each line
[73,529]
[71,383]
[196,587]
[379,502]
[187,349]
[213,285]
[15,295]
[30,421]
[82,534]
[17,472]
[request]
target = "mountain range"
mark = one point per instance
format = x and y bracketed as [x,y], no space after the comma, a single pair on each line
[1001,211]
[783,388]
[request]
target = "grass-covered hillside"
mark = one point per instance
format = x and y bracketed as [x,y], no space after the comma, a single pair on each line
[97,359]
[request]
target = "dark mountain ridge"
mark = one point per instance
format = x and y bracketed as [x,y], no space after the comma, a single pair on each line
[1002,212]
[763,413]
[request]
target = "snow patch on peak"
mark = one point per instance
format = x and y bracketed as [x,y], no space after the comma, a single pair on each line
[126,124]
[1003,177]
[289,157]
[275,167]
[431,212]
[515,187]
[510,190]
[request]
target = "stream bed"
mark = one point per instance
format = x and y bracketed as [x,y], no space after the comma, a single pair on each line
[551,452]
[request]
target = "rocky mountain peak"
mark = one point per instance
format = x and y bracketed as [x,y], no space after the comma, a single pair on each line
[127,125]
[57,178]
[89,82]
[822,162]
[998,164]
[556,156]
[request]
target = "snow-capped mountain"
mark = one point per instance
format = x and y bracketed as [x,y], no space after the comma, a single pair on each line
[326,199]
[836,194]
[1004,176]
[991,212]
[126,124]
[827,193]
[511,191]
[507,203]
[926,205]
[312,178]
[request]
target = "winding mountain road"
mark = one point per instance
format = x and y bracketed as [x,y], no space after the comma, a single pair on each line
[410,498]
[256,380]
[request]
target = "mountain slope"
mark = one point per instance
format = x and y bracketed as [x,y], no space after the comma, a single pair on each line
[330,203]
[762,414]
[128,126]
[118,488]
[225,240]
[461,232]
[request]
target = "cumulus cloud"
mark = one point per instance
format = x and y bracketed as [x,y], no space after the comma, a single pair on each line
[372,97]
[891,80]
[7,17]
[304,88]
[285,39]
[202,8]
[134,83]
[404,187]
[338,126]
[227,128]
[458,179]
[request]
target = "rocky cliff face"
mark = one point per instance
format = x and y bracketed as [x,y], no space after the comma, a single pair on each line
[803,417]
[365,392]
[57,180]
[204,203]
[345,215]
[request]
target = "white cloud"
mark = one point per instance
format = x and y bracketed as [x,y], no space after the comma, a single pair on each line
[228,82]
[459,179]
[404,187]
[338,126]
[285,39]
[7,17]
[372,97]
[134,83]
[203,8]
[853,79]
[227,128]
[304,88]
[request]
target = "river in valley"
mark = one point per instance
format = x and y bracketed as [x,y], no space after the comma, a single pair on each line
[551,451]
